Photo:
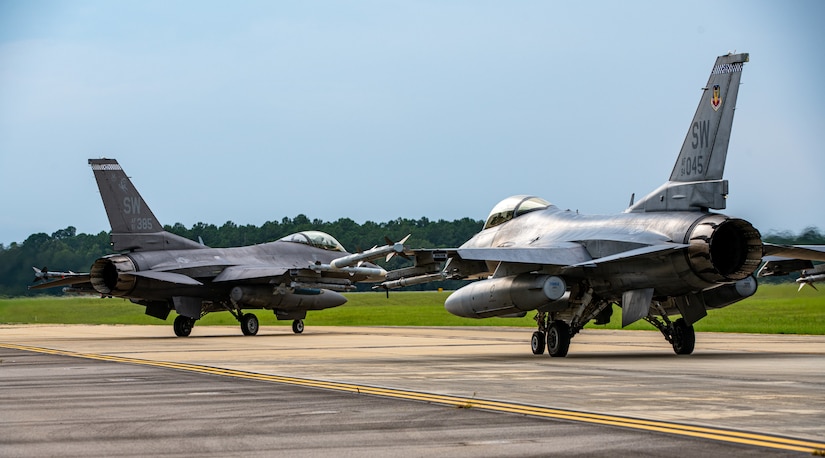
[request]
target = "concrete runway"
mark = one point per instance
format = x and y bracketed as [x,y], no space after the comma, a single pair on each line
[764,384]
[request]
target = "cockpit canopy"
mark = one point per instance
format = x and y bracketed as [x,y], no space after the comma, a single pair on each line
[512,207]
[317,239]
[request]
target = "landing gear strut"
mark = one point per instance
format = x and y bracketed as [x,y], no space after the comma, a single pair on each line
[248,321]
[183,325]
[680,334]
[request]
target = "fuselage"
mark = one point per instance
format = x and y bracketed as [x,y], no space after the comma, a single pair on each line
[277,262]
[719,249]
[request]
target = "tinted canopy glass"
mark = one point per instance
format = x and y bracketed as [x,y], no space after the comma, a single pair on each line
[317,239]
[512,207]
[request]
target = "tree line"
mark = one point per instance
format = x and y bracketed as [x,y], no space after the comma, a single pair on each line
[66,250]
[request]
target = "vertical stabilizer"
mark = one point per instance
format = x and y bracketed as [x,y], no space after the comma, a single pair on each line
[705,148]
[696,181]
[134,226]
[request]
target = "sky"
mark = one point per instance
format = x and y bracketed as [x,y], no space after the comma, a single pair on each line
[252,111]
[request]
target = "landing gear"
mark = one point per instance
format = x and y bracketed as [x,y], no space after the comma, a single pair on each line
[537,342]
[183,325]
[558,339]
[680,334]
[249,324]
[553,334]
[684,337]
[298,326]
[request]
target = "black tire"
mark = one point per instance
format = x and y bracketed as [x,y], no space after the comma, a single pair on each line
[183,326]
[558,339]
[537,343]
[249,324]
[684,337]
[298,326]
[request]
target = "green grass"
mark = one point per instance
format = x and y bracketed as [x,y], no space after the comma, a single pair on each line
[775,309]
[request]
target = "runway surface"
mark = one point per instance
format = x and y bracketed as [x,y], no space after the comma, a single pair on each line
[751,387]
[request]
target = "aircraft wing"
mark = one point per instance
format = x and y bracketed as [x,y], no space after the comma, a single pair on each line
[808,252]
[567,254]
[560,254]
[236,273]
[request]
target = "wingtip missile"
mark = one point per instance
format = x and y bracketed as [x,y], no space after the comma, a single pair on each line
[44,274]
[371,272]
[390,249]
[397,248]
[809,280]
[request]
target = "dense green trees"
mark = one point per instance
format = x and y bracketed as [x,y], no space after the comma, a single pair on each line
[66,250]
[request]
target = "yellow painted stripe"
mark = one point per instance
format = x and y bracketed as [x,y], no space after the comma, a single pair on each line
[739,437]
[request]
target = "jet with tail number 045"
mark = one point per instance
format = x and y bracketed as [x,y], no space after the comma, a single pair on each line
[164,272]
[667,254]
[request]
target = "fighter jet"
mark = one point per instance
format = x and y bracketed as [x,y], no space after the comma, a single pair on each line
[163,271]
[667,254]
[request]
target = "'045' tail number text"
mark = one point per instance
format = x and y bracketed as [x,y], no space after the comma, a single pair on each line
[694,165]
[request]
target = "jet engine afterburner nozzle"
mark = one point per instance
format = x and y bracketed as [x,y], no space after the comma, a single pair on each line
[106,275]
[724,249]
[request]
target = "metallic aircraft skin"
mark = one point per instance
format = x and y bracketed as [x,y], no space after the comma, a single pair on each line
[164,272]
[667,254]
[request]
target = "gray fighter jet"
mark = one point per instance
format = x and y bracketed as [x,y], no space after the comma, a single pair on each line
[667,254]
[164,272]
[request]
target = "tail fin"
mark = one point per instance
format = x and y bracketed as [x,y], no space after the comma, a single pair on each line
[134,226]
[696,181]
[706,144]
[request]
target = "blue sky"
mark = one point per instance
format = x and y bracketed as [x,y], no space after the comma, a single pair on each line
[374,110]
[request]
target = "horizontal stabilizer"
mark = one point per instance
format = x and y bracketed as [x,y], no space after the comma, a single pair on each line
[169,277]
[74,280]
[235,273]
[652,250]
[809,252]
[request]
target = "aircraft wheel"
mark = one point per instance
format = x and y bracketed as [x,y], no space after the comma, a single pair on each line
[558,339]
[684,337]
[537,343]
[183,326]
[298,326]
[249,324]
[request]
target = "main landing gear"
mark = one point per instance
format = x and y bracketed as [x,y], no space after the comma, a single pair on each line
[553,335]
[680,334]
[183,325]
[249,324]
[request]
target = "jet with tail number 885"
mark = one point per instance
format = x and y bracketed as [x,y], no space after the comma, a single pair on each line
[667,254]
[164,272]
